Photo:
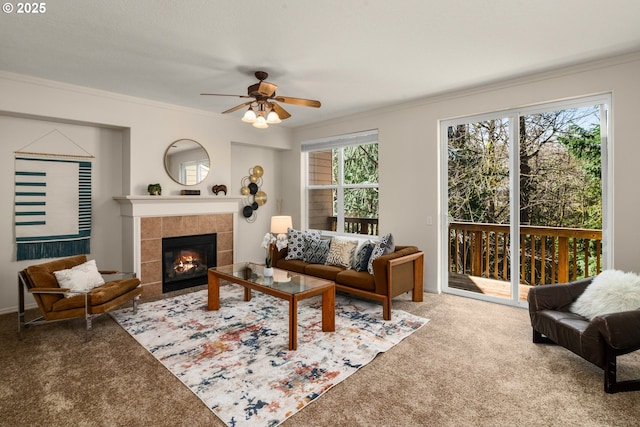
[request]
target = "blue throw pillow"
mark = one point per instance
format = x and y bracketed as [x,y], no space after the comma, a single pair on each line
[383,247]
[316,251]
[361,260]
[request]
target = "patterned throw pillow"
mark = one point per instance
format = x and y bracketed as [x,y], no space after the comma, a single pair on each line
[341,252]
[316,251]
[361,259]
[295,248]
[383,247]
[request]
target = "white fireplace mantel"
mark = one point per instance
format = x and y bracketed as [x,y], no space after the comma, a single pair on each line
[139,206]
[133,208]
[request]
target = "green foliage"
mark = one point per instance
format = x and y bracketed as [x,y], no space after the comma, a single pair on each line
[360,167]
[361,164]
[584,145]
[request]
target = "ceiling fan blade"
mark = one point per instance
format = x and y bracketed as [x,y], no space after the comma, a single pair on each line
[223,94]
[282,113]
[298,101]
[237,107]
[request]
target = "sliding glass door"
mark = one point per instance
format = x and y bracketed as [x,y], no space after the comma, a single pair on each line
[479,194]
[525,198]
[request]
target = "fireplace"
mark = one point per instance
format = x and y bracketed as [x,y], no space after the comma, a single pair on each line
[185,260]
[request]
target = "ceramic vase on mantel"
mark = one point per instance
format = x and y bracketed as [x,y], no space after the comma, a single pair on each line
[268,272]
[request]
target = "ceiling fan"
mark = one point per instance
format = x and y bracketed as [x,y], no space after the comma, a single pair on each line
[263,109]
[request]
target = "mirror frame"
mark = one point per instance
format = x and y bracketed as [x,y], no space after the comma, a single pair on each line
[166,161]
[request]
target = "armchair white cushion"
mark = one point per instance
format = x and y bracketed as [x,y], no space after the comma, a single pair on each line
[81,278]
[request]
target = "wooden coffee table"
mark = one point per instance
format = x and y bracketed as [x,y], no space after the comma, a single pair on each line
[285,285]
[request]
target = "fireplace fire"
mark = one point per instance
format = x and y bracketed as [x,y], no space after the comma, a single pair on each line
[186,259]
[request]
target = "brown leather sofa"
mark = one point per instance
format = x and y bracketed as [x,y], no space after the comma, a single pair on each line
[599,341]
[393,274]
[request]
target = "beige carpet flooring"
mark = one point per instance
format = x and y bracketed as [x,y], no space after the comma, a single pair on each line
[473,364]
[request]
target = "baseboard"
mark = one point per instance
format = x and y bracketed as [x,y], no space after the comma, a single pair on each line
[14,309]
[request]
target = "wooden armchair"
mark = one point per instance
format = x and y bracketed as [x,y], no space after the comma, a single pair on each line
[40,281]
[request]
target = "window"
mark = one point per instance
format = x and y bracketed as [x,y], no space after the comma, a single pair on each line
[194,172]
[342,183]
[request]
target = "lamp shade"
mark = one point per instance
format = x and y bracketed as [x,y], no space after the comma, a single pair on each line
[260,123]
[279,224]
[273,117]
[249,116]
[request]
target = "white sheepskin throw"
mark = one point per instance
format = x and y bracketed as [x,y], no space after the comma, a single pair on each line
[611,291]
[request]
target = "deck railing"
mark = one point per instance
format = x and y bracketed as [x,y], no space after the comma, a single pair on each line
[547,254]
[356,225]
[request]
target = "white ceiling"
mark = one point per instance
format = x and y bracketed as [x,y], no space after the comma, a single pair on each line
[352,55]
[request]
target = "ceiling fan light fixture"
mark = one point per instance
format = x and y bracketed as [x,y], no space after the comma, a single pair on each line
[262,110]
[249,116]
[273,118]
[260,123]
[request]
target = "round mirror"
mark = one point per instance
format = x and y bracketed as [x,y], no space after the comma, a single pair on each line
[186,162]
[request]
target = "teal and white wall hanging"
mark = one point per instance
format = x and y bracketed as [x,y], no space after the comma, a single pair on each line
[52,203]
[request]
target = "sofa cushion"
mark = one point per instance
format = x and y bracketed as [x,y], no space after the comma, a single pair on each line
[112,290]
[296,265]
[316,251]
[328,272]
[573,332]
[341,252]
[295,246]
[98,295]
[611,291]
[384,246]
[356,279]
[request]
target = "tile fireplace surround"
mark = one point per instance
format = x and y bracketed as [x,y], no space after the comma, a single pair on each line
[147,219]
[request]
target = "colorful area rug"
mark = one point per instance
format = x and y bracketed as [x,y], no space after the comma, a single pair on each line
[236,360]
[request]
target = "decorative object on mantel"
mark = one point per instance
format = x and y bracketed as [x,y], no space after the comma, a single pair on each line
[52,199]
[154,189]
[218,188]
[255,196]
[189,192]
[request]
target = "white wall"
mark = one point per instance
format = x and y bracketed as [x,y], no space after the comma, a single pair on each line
[409,151]
[128,136]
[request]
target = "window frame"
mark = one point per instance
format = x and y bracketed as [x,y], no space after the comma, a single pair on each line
[513,114]
[199,164]
[339,143]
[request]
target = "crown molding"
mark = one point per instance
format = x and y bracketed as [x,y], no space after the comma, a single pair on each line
[84,90]
[500,84]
